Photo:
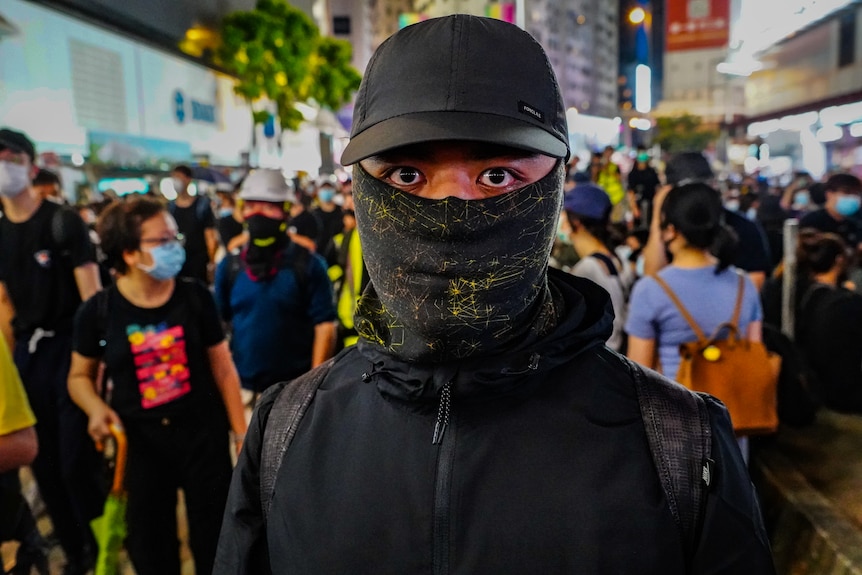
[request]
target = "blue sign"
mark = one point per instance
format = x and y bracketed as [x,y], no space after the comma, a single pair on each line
[201,112]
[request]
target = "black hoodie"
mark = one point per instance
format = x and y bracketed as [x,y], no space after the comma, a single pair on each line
[539,465]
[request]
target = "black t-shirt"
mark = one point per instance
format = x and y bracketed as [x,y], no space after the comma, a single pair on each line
[331,224]
[752,253]
[37,265]
[643,182]
[192,221]
[846,228]
[305,224]
[228,229]
[157,358]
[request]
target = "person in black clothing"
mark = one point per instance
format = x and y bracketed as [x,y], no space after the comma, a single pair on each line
[331,218]
[47,267]
[229,223]
[304,225]
[643,182]
[196,221]
[752,254]
[175,387]
[480,411]
[843,198]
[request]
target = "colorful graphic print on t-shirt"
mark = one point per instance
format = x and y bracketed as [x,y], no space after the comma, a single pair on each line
[160,362]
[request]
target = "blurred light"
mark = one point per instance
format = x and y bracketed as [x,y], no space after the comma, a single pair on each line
[763,128]
[77,160]
[643,89]
[798,122]
[829,133]
[856,130]
[740,68]
[166,186]
[582,19]
[193,189]
[308,113]
[750,165]
[123,186]
[637,16]
[618,120]
[642,124]
[844,114]
[764,153]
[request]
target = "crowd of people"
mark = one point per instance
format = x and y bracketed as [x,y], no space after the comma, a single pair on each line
[475,394]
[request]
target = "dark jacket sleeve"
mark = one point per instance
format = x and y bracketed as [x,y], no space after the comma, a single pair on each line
[733,539]
[242,546]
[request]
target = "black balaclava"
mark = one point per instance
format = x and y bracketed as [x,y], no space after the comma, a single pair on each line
[455,278]
[267,238]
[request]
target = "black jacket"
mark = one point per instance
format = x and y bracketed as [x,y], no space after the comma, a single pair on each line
[544,467]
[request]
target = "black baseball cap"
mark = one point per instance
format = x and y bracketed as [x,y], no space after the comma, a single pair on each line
[687,168]
[17,142]
[460,77]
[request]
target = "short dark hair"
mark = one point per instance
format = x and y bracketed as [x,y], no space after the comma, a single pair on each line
[46,178]
[688,167]
[119,228]
[844,183]
[184,170]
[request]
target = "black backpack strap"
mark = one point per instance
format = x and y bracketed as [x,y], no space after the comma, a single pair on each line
[677,425]
[612,269]
[287,411]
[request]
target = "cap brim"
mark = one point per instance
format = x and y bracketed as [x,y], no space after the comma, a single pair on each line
[425,127]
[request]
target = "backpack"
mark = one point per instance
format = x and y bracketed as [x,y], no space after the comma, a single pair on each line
[743,374]
[676,423]
[797,383]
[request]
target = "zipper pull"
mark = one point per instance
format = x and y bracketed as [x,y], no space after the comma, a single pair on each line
[442,413]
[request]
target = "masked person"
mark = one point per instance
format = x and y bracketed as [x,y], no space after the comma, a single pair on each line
[47,267]
[197,223]
[275,294]
[480,425]
[643,181]
[838,215]
[175,388]
[331,218]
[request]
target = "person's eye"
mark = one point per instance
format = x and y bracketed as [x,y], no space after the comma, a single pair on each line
[405,176]
[497,178]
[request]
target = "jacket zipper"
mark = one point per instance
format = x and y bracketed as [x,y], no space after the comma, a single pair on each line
[443,487]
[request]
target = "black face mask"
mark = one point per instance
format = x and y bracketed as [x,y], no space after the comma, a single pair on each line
[455,278]
[267,237]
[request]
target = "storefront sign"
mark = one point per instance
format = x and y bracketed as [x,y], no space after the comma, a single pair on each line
[200,112]
[697,24]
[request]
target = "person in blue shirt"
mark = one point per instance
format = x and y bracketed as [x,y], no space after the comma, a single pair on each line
[276,294]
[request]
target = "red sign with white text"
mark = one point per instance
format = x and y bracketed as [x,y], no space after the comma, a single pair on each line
[697,24]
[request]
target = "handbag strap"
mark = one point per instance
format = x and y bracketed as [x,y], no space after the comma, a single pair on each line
[738,307]
[673,297]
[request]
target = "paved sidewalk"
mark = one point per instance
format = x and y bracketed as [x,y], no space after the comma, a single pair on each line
[810,482]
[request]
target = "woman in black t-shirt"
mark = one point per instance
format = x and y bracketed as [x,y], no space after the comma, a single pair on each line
[175,388]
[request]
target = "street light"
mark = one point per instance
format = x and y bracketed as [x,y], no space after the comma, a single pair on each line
[637,16]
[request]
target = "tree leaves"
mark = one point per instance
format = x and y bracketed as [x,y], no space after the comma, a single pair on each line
[682,133]
[276,52]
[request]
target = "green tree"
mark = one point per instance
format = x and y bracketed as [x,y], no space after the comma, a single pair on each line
[682,133]
[276,52]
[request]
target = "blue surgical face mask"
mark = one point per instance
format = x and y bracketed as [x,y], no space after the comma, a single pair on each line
[847,205]
[225,212]
[801,199]
[326,195]
[168,260]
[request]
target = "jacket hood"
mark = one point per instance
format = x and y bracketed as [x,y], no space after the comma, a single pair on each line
[585,320]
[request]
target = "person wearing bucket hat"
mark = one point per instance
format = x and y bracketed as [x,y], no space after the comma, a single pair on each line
[47,268]
[275,294]
[470,427]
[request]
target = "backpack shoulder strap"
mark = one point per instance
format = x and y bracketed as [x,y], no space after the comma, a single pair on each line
[677,426]
[284,418]
[612,269]
[737,308]
[172,207]
[102,301]
[673,297]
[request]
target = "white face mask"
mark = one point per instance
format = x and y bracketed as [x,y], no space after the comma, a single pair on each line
[179,185]
[14,179]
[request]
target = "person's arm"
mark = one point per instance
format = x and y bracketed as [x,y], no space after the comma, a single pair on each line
[88,280]
[758,279]
[324,342]
[7,312]
[227,382]
[18,449]
[211,238]
[633,204]
[653,252]
[641,351]
[82,390]
[303,241]
[754,332]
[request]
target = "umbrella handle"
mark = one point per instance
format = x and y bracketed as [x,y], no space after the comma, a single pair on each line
[120,461]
